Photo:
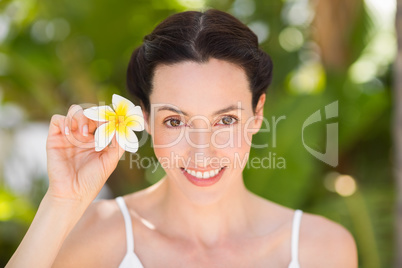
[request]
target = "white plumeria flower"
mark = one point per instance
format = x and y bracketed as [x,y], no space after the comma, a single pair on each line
[123,119]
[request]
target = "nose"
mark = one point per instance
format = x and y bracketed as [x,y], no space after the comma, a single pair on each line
[199,134]
[200,147]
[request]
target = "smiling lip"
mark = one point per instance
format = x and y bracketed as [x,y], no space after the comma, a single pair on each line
[203,182]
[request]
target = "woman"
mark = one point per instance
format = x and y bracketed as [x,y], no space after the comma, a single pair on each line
[201,74]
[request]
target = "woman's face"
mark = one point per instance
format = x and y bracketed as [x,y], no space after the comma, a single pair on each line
[202,120]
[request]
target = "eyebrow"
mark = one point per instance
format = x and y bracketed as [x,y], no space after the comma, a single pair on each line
[221,111]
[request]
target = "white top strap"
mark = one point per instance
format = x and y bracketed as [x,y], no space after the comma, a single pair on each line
[127,222]
[295,236]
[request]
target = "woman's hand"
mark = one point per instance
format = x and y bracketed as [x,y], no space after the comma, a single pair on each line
[76,171]
[76,175]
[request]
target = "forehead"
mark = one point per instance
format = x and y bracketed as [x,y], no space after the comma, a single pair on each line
[193,86]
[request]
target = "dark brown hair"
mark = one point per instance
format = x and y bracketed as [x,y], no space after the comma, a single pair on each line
[197,36]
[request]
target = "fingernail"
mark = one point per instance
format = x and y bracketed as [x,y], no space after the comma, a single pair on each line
[85,130]
[66,130]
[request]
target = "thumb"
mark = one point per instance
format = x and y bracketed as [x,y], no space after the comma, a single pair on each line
[112,155]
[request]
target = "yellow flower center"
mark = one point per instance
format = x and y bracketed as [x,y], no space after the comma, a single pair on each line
[117,120]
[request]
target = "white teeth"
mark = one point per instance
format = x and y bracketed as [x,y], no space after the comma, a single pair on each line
[203,175]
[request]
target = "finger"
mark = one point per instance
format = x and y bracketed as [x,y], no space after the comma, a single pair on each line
[78,123]
[112,154]
[75,114]
[70,122]
[57,125]
[93,125]
[116,148]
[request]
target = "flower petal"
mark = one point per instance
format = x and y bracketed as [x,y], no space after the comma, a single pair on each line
[103,135]
[99,113]
[121,105]
[127,139]
[135,122]
[135,119]
[136,110]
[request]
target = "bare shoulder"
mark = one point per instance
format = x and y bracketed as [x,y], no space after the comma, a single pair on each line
[325,243]
[89,244]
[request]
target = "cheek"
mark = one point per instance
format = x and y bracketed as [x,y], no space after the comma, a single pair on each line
[164,137]
[232,146]
[239,148]
[169,147]
[235,137]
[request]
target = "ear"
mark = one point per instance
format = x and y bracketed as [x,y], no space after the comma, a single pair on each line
[259,114]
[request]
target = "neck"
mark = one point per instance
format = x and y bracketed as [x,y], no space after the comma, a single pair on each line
[211,223]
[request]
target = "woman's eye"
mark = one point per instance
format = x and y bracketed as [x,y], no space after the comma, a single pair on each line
[228,120]
[173,122]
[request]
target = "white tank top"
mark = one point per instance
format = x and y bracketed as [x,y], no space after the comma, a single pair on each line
[131,260]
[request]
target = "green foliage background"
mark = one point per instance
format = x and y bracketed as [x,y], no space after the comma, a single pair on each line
[57,53]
